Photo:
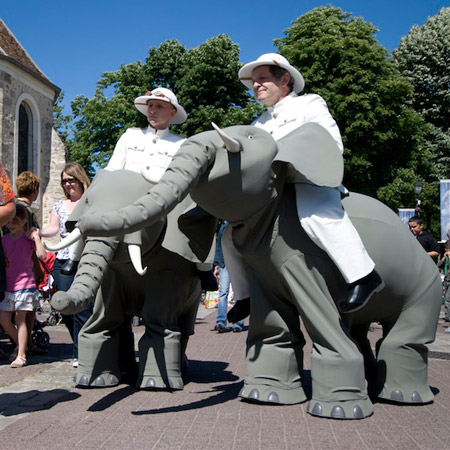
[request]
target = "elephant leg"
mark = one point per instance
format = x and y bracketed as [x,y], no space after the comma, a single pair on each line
[274,357]
[169,317]
[337,366]
[359,334]
[402,357]
[105,338]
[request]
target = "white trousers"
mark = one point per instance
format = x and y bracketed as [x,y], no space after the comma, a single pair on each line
[322,217]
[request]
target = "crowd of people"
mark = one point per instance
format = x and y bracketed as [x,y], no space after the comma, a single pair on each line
[276,84]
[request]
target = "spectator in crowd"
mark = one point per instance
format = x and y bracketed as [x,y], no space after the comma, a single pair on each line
[444,264]
[220,269]
[425,238]
[22,295]
[27,186]
[7,212]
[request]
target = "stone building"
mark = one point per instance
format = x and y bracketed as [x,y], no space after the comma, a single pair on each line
[27,138]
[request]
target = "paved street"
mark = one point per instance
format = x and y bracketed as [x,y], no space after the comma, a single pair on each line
[41,409]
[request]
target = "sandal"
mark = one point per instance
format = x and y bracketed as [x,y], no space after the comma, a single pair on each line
[20,361]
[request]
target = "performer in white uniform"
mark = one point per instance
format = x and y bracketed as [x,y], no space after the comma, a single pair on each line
[151,149]
[276,84]
[154,145]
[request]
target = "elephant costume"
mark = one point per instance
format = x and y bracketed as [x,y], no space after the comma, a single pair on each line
[248,181]
[165,292]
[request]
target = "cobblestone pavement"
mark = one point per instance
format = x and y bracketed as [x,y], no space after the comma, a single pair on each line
[41,409]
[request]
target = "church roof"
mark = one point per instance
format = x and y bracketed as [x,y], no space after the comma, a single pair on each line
[10,46]
[12,51]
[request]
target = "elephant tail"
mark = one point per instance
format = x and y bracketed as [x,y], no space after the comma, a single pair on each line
[94,262]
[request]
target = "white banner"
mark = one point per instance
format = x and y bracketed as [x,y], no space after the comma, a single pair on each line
[405,214]
[445,207]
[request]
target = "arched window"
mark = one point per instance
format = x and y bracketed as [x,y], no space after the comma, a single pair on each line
[25,150]
[27,136]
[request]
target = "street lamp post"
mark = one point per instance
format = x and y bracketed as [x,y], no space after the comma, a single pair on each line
[417,191]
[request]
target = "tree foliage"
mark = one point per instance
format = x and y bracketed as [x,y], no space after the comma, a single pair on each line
[388,144]
[423,56]
[203,78]
[341,60]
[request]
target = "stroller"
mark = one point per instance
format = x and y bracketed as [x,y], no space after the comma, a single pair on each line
[46,288]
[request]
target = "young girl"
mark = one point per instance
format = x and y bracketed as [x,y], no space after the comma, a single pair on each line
[21,293]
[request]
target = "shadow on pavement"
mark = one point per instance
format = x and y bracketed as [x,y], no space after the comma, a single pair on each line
[223,394]
[24,402]
[112,398]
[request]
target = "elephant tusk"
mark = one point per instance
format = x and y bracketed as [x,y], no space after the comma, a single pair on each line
[135,256]
[73,237]
[232,145]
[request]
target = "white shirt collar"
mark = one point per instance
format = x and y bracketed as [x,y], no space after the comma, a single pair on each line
[158,133]
[279,106]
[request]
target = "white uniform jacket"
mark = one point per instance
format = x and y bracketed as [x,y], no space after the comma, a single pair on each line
[139,147]
[294,111]
[319,208]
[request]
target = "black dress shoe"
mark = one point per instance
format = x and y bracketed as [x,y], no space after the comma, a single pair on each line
[69,268]
[208,281]
[360,292]
[239,311]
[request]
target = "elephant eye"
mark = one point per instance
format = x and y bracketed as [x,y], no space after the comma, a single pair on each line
[250,136]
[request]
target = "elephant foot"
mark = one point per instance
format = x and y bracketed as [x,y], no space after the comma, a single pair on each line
[350,409]
[259,393]
[104,380]
[406,396]
[160,384]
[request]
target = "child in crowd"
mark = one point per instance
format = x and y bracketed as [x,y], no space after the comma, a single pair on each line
[21,293]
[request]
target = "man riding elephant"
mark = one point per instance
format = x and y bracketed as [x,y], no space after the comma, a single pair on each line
[276,83]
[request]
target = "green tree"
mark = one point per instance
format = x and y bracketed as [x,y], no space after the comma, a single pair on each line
[204,80]
[423,56]
[341,60]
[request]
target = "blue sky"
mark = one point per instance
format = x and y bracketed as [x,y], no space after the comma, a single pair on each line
[75,42]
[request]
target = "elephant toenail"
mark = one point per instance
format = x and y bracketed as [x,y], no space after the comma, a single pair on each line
[150,383]
[83,381]
[397,396]
[273,398]
[99,381]
[253,395]
[416,398]
[338,412]
[175,384]
[112,380]
[357,412]
[317,410]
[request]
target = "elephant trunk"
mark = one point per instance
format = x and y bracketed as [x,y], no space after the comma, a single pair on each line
[94,262]
[190,163]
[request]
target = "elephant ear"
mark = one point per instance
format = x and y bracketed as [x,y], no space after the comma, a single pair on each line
[313,155]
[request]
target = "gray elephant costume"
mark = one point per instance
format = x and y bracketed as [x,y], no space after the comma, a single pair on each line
[292,277]
[166,292]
